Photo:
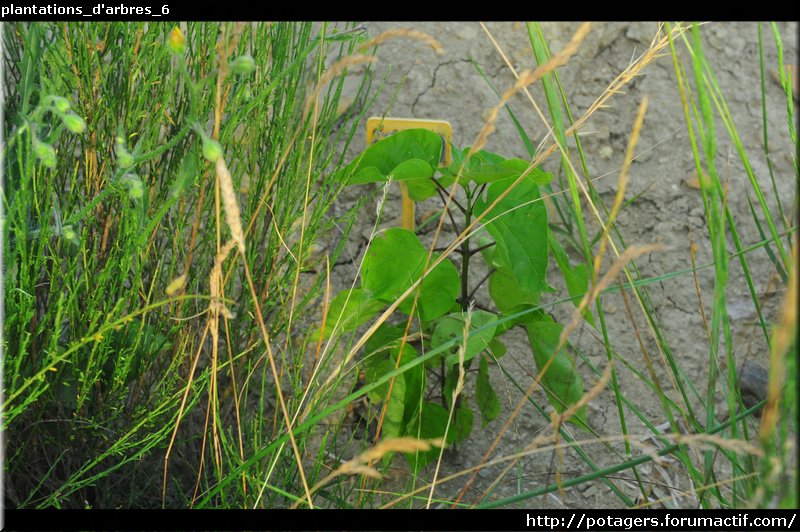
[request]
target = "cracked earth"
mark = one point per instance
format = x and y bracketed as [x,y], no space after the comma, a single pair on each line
[668,210]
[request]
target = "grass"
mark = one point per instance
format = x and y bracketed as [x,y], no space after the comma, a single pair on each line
[99,351]
[157,289]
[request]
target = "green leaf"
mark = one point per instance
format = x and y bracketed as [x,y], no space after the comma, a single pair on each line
[575,277]
[507,293]
[561,381]
[519,230]
[412,169]
[428,423]
[461,426]
[393,419]
[392,263]
[414,381]
[438,292]
[416,174]
[383,335]
[497,347]
[488,403]
[348,310]
[385,157]
[395,260]
[452,326]
[510,298]
[485,167]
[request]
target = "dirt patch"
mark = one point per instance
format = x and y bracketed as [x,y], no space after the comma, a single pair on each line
[668,209]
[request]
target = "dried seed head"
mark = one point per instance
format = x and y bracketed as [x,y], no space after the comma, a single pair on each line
[215,283]
[176,285]
[405,33]
[231,204]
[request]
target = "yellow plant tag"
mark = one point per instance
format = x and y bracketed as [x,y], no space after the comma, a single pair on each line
[380,127]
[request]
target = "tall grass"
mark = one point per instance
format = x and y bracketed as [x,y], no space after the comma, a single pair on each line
[726,474]
[730,472]
[113,239]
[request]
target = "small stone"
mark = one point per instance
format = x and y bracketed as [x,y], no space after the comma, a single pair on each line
[754,383]
[467,32]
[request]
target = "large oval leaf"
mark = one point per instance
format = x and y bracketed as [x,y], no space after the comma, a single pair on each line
[395,260]
[575,277]
[507,293]
[561,381]
[391,155]
[518,224]
[414,380]
[430,422]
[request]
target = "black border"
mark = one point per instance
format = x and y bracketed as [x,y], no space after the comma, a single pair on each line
[463,520]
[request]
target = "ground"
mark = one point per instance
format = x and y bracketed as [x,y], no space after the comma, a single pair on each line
[669,210]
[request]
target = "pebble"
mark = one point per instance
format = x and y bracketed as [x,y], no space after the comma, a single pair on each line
[754,383]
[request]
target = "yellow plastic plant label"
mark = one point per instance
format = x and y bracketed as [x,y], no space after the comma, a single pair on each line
[380,127]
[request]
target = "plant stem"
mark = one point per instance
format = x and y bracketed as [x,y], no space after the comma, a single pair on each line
[481,248]
[444,192]
[483,280]
[447,209]
[465,255]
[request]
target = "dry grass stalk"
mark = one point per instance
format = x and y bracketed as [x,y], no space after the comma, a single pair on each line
[405,33]
[590,296]
[712,441]
[462,350]
[363,463]
[783,336]
[334,70]
[215,281]
[655,50]
[526,78]
[599,386]
[468,231]
[540,445]
[628,255]
[556,421]
[622,184]
[233,215]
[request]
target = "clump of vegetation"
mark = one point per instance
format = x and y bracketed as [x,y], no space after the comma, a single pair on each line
[397,270]
[133,153]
